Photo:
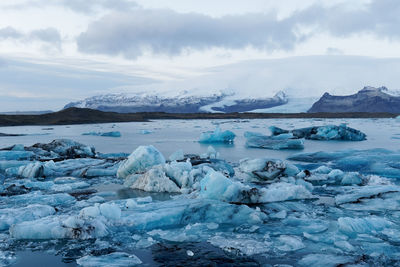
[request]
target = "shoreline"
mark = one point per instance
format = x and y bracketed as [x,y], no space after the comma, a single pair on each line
[89,116]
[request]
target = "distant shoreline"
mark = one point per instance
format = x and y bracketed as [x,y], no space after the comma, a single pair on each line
[89,116]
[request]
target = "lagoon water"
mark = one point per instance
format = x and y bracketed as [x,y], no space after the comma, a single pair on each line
[171,135]
[299,233]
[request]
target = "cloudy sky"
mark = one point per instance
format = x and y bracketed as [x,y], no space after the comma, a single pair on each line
[56,51]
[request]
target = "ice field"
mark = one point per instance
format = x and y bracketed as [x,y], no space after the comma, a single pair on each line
[200,192]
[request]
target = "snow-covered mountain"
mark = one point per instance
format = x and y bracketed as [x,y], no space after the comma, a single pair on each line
[183,102]
[369,99]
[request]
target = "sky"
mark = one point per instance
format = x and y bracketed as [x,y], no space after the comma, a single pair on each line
[56,51]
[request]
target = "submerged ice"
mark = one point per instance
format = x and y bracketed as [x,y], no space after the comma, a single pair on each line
[327,208]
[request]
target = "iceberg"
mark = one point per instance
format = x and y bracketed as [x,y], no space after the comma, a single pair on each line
[62,148]
[331,205]
[282,141]
[372,161]
[364,192]
[327,132]
[218,136]
[145,132]
[143,158]
[216,186]
[177,155]
[115,259]
[243,244]
[37,197]
[58,227]
[108,134]
[327,260]
[265,169]
[290,243]
[10,216]
[365,225]
[180,173]
[175,213]
[154,180]
[16,155]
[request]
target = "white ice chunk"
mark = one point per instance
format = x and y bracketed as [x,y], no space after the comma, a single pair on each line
[154,180]
[326,260]
[115,259]
[59,227]
[365,225]
[177,155]
[110,211]
[290,243]
[10,216]
[140,160]
[216,186]
[284,191]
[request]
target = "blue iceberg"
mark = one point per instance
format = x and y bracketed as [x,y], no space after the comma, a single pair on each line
[283,141]
[108,134]
[327,132]
[218,136]
[372,161]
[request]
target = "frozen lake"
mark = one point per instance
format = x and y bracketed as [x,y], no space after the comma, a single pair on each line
[323,209]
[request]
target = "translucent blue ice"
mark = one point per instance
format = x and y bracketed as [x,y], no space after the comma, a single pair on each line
[373,161]
[140,160]
[115,259]
[108,134]
[283,141]
[218,136]
[327,132]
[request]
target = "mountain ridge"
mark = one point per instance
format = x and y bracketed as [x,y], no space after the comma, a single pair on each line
[368,99]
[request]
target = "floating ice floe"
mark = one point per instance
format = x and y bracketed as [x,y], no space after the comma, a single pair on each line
[10,216]
[145,132]
[216,186]
[372,161]
[265,169]
[283,141]
[115,259]
[108,134]
[177,155]
[140,160]
[330,212]
[218,136]
[327,132]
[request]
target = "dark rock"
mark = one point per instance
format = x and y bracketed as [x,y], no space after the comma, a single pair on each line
[369,99]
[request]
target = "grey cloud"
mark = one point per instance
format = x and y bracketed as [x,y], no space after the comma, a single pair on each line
[378,17]
[80,6]
[89,6]
[47,35]
[167,32]
[133,32]
[9,33]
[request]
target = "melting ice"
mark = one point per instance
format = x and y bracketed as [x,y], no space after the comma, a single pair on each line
[325,208]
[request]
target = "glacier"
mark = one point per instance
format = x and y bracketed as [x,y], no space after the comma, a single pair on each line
[95,209]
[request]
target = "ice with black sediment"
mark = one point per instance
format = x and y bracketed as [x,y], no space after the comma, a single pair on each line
[253,211]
